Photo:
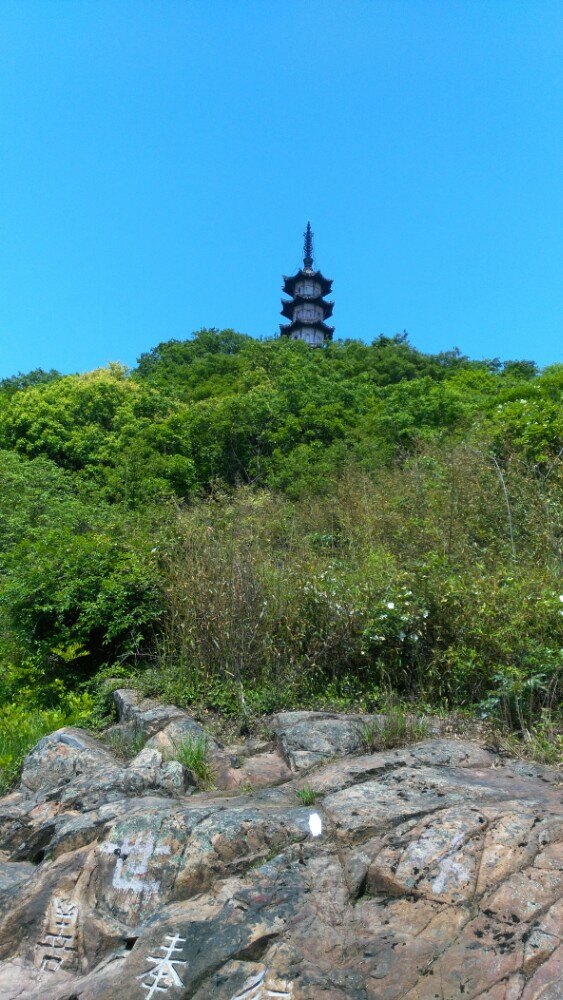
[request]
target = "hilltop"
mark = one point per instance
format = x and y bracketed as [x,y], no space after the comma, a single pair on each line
[245,526]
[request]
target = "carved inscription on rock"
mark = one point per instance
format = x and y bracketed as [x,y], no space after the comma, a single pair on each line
[57,948]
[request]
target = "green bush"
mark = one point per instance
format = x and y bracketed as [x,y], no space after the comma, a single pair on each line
[79,584]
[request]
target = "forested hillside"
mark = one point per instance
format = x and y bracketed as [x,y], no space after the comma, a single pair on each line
[247,525]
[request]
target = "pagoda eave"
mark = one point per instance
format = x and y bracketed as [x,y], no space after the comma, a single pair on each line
[289,306]
[289,283]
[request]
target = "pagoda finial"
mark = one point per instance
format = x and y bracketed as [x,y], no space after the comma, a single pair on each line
[308,247]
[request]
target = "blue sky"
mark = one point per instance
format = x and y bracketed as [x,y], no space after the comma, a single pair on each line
[160,161]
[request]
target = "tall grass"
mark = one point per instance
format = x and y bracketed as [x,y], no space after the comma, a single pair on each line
[412,579]
[193,753]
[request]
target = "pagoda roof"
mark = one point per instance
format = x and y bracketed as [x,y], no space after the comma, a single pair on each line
[288,305]
[287,329]
[289,282]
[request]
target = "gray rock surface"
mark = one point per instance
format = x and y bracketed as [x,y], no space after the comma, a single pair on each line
[437,872]
[63,756]
[177,732]
[146,715]
[309,738]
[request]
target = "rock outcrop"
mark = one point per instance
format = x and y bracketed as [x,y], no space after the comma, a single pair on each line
[432,871]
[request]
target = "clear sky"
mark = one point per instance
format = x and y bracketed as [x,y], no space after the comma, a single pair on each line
[160,160]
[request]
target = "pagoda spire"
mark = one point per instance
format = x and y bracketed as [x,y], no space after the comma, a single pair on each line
[308,247]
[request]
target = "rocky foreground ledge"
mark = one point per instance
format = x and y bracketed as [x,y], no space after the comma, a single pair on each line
[433,871]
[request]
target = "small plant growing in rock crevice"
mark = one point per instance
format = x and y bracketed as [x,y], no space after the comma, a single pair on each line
[193,753]
[397,729]
[306,795]
[247,788]
[126,745]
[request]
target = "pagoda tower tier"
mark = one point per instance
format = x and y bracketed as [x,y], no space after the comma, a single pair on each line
[307,309]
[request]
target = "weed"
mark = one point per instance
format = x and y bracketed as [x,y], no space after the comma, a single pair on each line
[126,745]
[306,795]
[193,753]
[543,743]
[407,580]
[397,729]
[266,732]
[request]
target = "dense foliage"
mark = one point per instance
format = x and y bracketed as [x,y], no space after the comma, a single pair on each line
[251,524]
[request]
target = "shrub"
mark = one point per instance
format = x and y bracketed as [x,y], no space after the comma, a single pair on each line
[415,544]
[93,589]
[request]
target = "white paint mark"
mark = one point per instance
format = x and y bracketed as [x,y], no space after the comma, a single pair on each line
[255,989]
[315,825]
[250,986]
[163,974]
[132,863]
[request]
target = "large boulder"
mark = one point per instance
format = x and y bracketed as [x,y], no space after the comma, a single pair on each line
[429,870]
[62,757]
[309,738]
[145,716]
[234,771]
[174,734]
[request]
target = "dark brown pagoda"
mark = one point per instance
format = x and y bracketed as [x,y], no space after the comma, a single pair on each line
[307,309]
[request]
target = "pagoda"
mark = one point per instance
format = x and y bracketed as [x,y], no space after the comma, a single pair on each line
[307,309]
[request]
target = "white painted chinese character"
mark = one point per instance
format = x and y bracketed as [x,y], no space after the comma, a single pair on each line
[132,864]
[163,975]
